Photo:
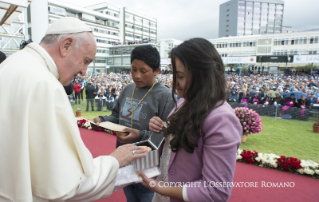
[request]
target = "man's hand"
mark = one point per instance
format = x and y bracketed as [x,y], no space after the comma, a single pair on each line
[127,153]
[97,120]
[131,137]
[156,124]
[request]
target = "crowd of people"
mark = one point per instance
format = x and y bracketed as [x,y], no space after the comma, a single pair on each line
[103,90]
[253,89]
[274,90]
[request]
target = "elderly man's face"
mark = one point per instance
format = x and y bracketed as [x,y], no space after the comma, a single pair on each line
[78,59]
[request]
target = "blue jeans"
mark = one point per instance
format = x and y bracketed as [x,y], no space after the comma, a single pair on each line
[138,193]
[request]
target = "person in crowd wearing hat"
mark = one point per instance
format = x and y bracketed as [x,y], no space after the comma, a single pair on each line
[90,92]
[43,156]
[233,95]
[137,104]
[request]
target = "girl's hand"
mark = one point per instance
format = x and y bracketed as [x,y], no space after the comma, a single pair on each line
[149,182]
[156,124]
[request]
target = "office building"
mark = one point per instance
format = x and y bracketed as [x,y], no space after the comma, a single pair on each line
[297,43]
[250,17]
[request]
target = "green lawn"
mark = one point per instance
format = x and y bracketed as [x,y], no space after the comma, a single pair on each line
[89,115]
[285,137]
[282,137]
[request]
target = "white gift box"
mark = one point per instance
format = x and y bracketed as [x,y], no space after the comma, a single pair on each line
[152,157]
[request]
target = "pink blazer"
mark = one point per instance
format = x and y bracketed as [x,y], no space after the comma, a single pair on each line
[214,160]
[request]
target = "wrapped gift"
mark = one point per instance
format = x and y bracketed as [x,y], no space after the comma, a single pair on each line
[128,175]
[152,157]
[110,127]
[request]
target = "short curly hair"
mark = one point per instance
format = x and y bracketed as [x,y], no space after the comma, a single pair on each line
[148,54]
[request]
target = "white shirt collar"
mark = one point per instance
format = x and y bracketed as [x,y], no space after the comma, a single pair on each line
[49,56]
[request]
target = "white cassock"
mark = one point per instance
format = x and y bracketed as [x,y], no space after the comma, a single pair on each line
[42,154]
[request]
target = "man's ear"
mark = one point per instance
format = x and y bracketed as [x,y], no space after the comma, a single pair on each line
[156,71]
[65,46]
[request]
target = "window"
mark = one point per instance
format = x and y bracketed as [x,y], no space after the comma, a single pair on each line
[70,14]
[88,18]
[129,35]
[99,61]
[128,16]
[57,10]
[241,3]
[138,28]
[101,41]
[235,44]
[101,51]
[112,24]
[249,44]
[100,22]
[129,26]
[138,19]
[146,22]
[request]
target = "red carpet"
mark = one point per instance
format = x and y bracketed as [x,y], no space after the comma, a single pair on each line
[100,143]
[304,189]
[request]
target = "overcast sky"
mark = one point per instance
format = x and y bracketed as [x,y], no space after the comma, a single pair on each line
[184,19]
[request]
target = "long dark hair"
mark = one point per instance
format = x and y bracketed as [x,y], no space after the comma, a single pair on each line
[206,91]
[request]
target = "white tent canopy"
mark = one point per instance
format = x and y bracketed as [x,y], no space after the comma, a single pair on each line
[10,9]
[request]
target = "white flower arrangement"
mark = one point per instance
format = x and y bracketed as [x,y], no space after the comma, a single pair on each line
[308,167]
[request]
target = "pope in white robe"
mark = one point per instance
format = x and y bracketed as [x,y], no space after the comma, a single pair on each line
[42,154]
